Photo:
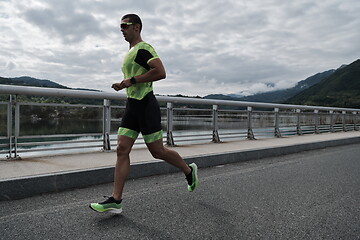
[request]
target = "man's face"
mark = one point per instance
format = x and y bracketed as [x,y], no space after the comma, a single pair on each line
[128,29]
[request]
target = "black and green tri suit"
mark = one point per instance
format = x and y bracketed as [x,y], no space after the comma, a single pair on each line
[142,112]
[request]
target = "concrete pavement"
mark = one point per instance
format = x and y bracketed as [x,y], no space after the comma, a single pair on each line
[31,176]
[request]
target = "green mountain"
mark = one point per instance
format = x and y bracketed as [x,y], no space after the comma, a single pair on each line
[340,89]
[29,81]
[277,96]
[34,82]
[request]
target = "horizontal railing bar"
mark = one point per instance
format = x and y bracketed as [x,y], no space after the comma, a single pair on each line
[25,144]
[193,109]
[61,135]
[135,144]
[235,133]
[58,92]
[266,132]
[197,135]
[36,91]
[194,116]
[195,139]
[287,129]
[229,110]
[233,136]
[59,148]
[59,105]
[192,136]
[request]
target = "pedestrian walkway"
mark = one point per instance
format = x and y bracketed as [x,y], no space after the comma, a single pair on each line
[78,170]
[53,164]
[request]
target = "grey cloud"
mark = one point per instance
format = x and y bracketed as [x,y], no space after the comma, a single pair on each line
[10,66]
[71,27]
[206,46]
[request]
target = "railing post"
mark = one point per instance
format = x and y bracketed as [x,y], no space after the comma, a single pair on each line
[332,129]
[250,133]
[316,120]
[344,121]
[17,127]
[356,128]
[298,122]
[170,126]
[106,125]
[10,125]
[215,135]
[277,129]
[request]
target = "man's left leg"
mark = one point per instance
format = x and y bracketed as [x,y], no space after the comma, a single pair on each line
[159,151]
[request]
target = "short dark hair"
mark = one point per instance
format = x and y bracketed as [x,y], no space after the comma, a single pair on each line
[133,18]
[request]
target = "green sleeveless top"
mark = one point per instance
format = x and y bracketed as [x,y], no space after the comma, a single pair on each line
[136,63]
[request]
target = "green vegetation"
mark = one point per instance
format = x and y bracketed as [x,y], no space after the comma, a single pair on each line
[277,96]
[340,89]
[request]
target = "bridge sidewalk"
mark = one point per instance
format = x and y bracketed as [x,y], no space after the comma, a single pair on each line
[36,175]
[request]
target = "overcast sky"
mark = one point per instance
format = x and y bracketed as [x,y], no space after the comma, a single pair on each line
[207,47]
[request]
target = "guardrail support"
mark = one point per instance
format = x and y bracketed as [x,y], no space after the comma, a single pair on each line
[17,127]
[170,126]
[9,125]
[344,121]
[215,135]
[356,128]
[298,122]
[277,129]
[106,125]
[331,112]
[250,133]
[316,120]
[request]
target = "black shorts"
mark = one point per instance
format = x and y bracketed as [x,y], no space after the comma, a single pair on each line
[142,116]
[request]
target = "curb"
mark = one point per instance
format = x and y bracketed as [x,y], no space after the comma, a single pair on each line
[23,187]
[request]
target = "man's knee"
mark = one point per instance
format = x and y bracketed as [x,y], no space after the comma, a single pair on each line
[122,150]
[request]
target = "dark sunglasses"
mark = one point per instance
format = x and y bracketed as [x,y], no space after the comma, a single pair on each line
[125,25]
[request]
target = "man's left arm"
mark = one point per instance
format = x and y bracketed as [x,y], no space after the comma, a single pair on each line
[156,72]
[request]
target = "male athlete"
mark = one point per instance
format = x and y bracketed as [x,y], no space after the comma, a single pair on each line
[141,67]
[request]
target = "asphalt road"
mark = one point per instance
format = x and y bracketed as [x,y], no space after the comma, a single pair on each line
[309,195]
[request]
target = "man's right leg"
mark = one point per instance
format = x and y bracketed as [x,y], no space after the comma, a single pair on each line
[122,165]
[114,203]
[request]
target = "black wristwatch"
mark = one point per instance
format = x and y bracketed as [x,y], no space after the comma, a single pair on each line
[133,80]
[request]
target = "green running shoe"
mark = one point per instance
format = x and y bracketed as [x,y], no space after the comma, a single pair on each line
[109,205]
[192,178]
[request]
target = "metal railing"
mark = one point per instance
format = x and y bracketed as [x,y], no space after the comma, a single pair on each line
[208,120]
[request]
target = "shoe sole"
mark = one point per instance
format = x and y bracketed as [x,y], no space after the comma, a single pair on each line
[195,169]
[110,210]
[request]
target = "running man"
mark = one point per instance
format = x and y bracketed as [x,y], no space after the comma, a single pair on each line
[141,67]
